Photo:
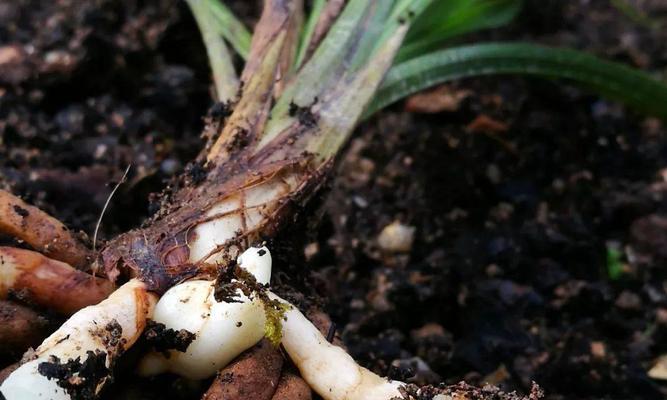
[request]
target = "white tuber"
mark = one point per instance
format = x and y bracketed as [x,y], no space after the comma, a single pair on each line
[89,342]
[223,330]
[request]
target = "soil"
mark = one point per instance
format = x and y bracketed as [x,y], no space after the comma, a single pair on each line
[539,209]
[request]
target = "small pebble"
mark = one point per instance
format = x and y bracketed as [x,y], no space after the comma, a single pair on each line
[397,237]
[628,301]
[598,349]
[659,369]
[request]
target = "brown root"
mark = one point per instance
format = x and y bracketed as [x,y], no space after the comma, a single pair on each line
[254,375]
[41,231]
[20,328]
[292,387]
[55,285]
[326,327]
[5,372]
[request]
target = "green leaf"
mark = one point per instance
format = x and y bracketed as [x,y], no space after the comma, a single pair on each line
[230,27]
[613,80]
[224,75]
[308,30]
[614,262]
[403,11]
[444,20]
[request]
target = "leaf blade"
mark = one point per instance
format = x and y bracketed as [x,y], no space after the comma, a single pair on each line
[308,30]
[444,20]
[230,27]
[616,81]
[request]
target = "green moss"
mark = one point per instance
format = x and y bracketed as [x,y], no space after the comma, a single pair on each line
[275,313]
[233,278]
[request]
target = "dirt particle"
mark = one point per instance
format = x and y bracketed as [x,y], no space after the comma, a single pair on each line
[163,339]
[63,339]
[224,287]
[220,110]
[441,99]
[79,379]
[114,336]
[21,211]
[400,372]
[304,114]
[485,124]
[629,301]
[240,139]
[196,172]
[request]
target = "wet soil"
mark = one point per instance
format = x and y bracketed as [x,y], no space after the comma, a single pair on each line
[539,210]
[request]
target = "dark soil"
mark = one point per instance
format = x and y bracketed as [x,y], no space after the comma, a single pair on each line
[512,277]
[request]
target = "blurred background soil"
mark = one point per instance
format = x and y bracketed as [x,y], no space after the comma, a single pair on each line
[528,218]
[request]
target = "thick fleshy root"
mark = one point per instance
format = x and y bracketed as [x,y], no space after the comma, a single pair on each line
[41,231]
[327,368]
[254,375]
[223,330]
[20,328]
[48,283]
[292,387]
[77,360]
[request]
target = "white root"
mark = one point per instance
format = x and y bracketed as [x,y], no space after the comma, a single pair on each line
[76,360]
[328,369]
[223,330]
